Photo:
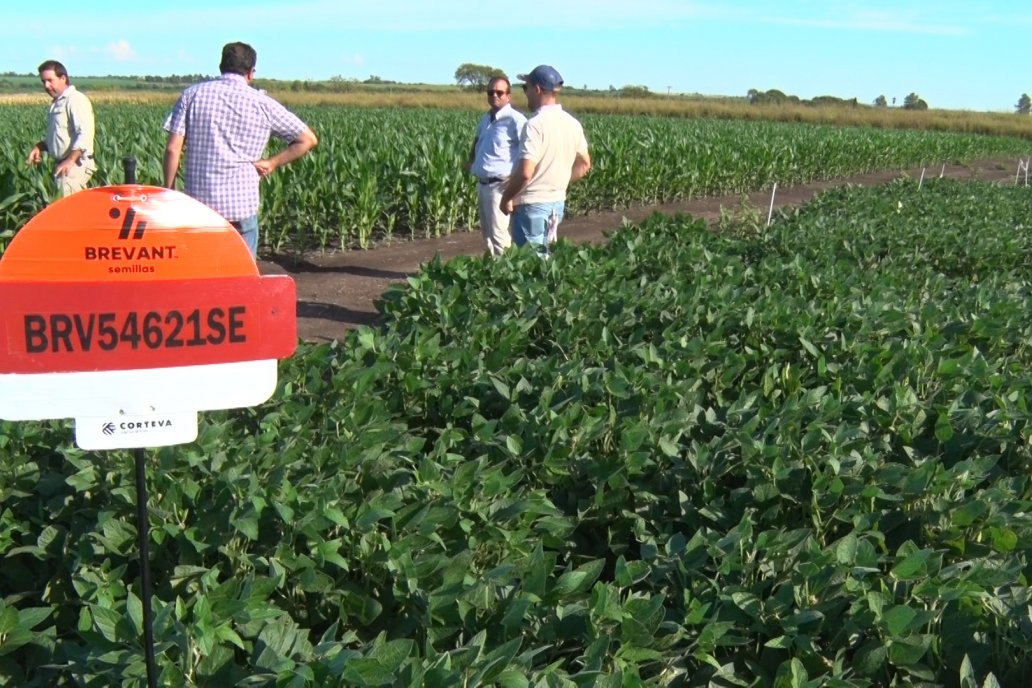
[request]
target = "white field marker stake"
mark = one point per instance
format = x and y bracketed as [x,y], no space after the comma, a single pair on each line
[921,180]
[1022,166]
[770,212]
[942,173]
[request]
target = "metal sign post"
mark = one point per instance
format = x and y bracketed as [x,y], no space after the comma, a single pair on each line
[130,309]
[146,590]
[143,523]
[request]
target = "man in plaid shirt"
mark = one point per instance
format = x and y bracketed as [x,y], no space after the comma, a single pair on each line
[227,125]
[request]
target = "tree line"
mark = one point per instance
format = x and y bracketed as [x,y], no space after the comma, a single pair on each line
[477,76]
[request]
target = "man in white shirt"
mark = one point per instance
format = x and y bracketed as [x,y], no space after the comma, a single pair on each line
[553,153]
[491,159]
[69,138]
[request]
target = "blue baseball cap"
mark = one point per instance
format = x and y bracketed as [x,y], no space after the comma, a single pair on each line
[544,76]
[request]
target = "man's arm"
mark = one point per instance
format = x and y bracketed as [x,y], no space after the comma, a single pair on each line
[581,166]
[522,173]
[83,125]
[305,142]
[173,151]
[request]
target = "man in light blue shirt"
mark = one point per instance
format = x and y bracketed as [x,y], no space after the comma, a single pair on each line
[491,159]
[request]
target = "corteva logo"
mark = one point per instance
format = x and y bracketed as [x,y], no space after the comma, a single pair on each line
[131,426]
[130,230]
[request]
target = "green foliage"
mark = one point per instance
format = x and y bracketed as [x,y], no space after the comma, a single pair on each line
[771,97]
[476,76]
[682,458]
[744,220]
[832,101]
[379,174]
[914,102]
[634,91]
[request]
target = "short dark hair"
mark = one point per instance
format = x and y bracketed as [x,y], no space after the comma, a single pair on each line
[59,69]
[237,58]
[500,77]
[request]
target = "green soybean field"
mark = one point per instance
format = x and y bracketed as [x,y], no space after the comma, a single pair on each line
[799,455]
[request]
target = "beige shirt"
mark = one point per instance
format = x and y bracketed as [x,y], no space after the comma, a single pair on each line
[70,125]
[552,139]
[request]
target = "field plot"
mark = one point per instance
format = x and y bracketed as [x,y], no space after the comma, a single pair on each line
[384,173]
[794,457]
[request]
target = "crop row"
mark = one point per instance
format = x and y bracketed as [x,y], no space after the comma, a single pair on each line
[383,173]
[796,458]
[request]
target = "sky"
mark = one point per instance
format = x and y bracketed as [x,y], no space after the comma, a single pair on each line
[953,54]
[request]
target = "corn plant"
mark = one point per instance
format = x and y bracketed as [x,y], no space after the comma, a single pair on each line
[384,173]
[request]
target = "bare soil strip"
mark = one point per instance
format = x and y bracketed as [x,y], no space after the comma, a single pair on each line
[336,291]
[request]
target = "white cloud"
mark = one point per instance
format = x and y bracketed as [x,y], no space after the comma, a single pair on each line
[355,59]
[120,50]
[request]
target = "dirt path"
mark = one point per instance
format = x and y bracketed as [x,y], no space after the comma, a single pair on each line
[336,291]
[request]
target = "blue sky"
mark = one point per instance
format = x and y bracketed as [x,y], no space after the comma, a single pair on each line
[958,55]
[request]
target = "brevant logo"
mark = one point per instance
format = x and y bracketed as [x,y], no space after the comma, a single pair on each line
[131,229]
[127,224]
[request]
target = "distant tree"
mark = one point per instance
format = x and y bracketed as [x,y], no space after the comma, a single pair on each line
[632,91]
[1024,105]
[831,101]
[914,102]
[339,84]
[881,102]
[476,76]
[771,97]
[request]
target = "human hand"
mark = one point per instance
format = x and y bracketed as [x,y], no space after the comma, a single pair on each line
[264,167]
[35,156]
[63,168]
[506,207]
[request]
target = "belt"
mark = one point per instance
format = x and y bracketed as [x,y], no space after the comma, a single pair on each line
[491,180]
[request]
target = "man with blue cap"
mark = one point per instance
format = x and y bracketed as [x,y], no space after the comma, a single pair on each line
[553,153]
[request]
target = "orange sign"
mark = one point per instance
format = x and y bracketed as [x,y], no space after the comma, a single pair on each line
[125,233]
[129,277]
[130,308]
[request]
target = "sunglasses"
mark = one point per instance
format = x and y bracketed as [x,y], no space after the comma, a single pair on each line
[497,93]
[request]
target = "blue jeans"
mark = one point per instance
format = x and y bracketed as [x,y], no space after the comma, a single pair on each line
[248,228]
[530,223]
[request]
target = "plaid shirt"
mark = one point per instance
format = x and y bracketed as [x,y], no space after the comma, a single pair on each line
[227,125]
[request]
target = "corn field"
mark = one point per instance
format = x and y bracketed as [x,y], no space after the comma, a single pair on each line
[381,174]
